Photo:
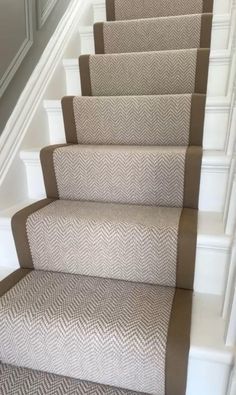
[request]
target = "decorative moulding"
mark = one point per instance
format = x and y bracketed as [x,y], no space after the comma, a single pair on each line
[44,9]
[23,50]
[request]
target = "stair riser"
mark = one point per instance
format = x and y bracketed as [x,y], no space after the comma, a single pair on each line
[215,129]
[214,377]
[219,70]
[220,35]
[99,12]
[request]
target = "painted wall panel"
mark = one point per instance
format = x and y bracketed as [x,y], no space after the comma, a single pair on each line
[16,37]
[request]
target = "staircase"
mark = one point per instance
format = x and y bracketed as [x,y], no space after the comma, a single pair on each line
[102,302]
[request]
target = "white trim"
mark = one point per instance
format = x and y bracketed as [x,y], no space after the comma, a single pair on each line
[99,10]
[230,204]
[232,381]
[231,330]
[23,50]
[232,120]
[230,291]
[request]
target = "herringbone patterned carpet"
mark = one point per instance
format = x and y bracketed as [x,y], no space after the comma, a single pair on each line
[20,381]
[142,73]
[105,305]
[150,120]
[100,330]
[154,34]
[136,9]
[134,243]
[137,175]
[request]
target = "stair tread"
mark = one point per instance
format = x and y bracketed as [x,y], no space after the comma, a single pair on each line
[14,379]
[154,34]
[73,324]
[127,242]
[208,330]
[210,224]
[123,174]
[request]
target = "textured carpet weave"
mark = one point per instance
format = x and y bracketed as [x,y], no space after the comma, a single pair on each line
[20,381]
[142,73]
[137,175]
[135,9]
[102,301]
[105,331]
[140,120]
[134,243]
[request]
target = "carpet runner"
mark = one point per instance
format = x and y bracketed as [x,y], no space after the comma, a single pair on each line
[101,303]
[21,381]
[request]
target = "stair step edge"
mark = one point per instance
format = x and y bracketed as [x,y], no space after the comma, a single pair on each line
[210,227]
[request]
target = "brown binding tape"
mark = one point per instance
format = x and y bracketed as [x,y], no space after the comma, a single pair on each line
[193,163]
[85,78]
[197,119]
[47,163]
[11,280]
[206,28]
[19,230]
[110,10]
[202,67]
[207,5]
[69,119]
[99,38]
[187,241]
[178,343]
